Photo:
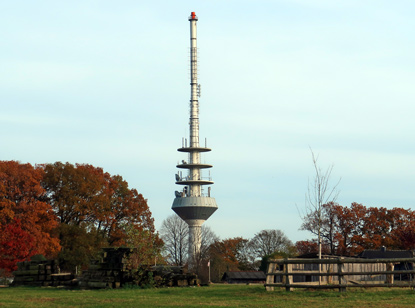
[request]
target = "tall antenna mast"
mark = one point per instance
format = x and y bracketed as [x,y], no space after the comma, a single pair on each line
[190,204]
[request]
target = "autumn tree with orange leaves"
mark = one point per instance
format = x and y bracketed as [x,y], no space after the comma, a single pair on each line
[97,210]
[226,255]
[350,230]
[27,221]
[71,212]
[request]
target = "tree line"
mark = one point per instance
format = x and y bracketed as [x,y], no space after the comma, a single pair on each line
[230,254]
[347,231]
[69,212]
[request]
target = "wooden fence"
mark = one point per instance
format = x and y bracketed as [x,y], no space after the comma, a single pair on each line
[340,273]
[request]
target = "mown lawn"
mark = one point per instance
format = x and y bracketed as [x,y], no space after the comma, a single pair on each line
[213,296]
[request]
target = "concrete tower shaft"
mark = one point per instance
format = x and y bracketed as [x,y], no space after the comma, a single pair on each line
[195,190]
[191,204]
[194,97]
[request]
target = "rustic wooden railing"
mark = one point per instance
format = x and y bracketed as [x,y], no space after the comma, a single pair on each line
[341,273]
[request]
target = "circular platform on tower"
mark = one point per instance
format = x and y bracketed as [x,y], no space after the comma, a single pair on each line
[190,182]
[194,149]
[190,166]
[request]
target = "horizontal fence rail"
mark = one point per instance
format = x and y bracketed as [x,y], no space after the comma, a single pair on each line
[340,273]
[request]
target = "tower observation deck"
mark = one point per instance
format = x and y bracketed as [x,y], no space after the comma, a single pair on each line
[192,204]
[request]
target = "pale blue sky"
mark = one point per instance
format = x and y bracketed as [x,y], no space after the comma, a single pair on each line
[107,83]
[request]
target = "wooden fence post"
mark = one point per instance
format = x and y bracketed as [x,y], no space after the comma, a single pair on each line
[389,277]
[271,278]
[340,270]
[329,270]
[288,277]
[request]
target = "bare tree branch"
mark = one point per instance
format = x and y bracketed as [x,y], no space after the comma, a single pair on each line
[174,233]
[319,193]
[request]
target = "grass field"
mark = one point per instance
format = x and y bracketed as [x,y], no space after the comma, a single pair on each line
[213,296]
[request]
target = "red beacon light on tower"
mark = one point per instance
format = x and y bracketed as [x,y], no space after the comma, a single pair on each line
[193,16]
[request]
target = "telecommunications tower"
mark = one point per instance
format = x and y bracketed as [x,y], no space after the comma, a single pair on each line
[192,204]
